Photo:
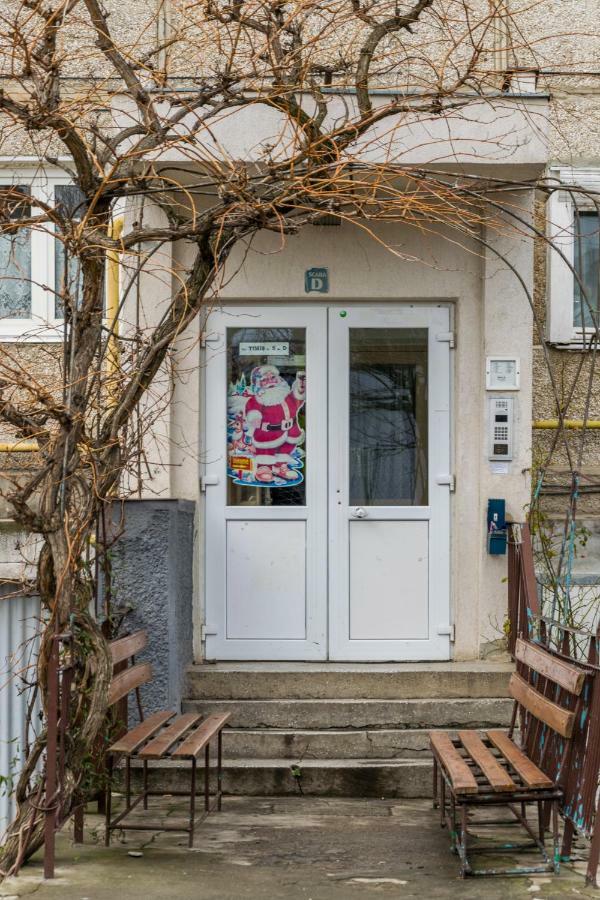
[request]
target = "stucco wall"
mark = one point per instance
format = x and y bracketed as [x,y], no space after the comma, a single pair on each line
[152,578]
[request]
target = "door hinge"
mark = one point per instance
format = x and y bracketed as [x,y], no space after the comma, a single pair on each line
[207,480]
[447,629]
[207,630]
[447,337]
[450,480]
[209,337]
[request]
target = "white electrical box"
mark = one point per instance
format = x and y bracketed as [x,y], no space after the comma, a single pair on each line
[501,428]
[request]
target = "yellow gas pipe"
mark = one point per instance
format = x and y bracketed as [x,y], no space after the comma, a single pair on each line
[19,446]
[573,424]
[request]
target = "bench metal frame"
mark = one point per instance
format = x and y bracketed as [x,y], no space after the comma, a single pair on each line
[455,806]
[547,694]
[119,822]
[165,735]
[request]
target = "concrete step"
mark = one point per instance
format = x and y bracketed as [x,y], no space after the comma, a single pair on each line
[380,778]
[359,714]
[372,681]
[280,743]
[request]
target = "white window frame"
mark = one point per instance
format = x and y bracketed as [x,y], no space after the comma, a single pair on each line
[560,327]
[42,326]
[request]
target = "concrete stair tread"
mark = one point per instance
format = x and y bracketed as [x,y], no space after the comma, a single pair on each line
[338,681]
[353,729]
[341,701]
[233,763]
[319,777]
[359,714]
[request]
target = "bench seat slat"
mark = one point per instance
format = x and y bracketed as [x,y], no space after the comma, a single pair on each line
[134,739]
[529,772]
[163,742]
[463,780]
[497,776]
[200,736]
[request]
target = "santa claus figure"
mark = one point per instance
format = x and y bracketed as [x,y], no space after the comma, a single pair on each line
[271,415]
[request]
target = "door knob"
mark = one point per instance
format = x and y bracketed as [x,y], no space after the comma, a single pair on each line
[359,513]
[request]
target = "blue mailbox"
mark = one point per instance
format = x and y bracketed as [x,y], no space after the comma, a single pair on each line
[496,527]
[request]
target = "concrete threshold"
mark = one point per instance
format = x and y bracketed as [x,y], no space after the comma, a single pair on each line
[473,665]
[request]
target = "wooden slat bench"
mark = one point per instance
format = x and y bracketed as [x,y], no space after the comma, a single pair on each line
[491,769]
[161,736]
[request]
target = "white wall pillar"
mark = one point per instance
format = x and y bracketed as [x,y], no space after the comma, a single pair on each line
[507,330]
[147,299]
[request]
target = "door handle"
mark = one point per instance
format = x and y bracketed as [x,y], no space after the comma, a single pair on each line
[359,513]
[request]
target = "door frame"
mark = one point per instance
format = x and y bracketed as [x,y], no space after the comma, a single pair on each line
[317,619]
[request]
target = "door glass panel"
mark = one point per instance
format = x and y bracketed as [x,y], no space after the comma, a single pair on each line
[388,417]
[266,416]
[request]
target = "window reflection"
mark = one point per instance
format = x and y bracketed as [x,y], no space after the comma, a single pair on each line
[388,417]
[587,266]
[67,269]
[15,257]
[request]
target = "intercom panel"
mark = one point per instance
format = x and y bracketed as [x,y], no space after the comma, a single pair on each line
[501,428]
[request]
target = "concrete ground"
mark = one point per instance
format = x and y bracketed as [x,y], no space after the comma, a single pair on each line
[293,848]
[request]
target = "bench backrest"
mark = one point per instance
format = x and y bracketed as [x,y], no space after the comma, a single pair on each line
[127,674]
[547,689]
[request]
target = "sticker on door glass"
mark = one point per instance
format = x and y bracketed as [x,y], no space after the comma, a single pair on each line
[264,434]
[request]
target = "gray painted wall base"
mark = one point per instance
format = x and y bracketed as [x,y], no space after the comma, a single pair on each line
[153,578]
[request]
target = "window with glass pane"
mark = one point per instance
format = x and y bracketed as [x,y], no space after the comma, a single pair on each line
[388,417]
[586,262]
[15,257]
[67,270]
[266,416]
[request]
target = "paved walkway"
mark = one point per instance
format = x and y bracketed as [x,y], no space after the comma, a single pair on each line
[297,849]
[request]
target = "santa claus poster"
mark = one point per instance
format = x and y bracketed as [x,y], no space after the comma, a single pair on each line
[264,431]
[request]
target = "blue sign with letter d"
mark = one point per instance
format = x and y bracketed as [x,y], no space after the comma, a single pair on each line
[316,281]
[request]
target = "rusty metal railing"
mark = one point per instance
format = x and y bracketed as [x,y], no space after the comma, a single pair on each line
[60,677]
[523,600]
[526,620]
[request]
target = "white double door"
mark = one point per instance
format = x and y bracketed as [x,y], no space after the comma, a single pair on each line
[327,463]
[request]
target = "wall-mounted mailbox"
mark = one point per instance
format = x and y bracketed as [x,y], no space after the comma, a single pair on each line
[496,527]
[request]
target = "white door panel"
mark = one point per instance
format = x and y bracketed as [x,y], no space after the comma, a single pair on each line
[266,580]
[389,573]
